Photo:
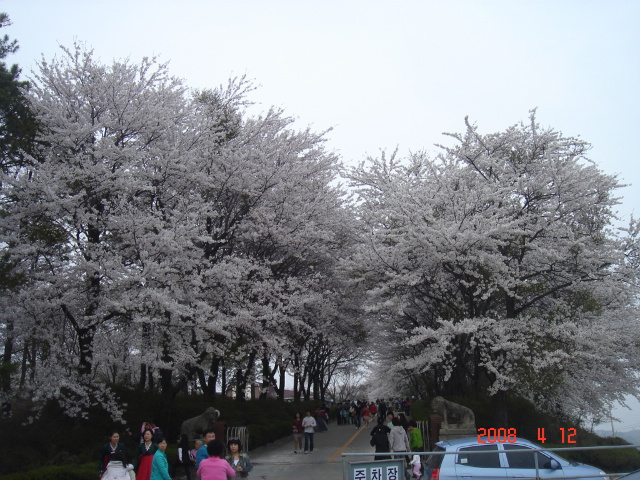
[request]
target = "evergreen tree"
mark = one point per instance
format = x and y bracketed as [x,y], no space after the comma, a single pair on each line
[17,124]
[17,132]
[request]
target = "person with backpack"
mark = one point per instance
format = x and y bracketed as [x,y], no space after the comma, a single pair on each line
[380,439]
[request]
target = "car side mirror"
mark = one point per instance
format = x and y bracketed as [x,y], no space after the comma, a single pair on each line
[553,464]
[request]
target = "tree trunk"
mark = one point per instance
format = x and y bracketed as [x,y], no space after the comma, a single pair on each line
[266,379]
[5,369]
[242,379]
[142,382]
[296,388]
[281,385]
[499,410]
[212,384]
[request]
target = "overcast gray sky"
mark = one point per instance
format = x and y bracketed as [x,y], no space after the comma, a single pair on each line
[385,74]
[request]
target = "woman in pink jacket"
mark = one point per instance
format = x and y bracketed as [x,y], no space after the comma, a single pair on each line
[215,467]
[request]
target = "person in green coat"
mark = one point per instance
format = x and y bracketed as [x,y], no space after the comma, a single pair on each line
[160,465]
[415,437]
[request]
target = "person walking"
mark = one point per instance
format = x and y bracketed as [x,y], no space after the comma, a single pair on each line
[382,409]
[380,439]
[373,410]
[416,467]
[415,437]
[398,440]
[390,417]
[357,416]
[309,425]
[298,433]
[365,415]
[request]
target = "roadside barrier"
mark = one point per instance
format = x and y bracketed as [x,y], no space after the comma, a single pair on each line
[242,433]
[424,428]
[612,476]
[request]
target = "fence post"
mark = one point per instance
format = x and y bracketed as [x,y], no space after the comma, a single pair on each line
[242,433]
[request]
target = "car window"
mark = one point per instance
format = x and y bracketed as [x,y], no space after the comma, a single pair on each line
[525,459]
[434,461]
[490,459]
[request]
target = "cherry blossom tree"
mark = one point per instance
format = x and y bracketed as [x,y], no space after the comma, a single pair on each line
[163,236]
[101,126]
[498,263]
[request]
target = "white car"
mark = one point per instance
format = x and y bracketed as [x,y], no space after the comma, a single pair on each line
[499,460]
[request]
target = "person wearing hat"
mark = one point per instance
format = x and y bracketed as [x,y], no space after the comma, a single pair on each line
[238,460]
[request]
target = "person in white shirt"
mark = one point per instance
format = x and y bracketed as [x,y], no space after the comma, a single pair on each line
[309,425]
[118,468]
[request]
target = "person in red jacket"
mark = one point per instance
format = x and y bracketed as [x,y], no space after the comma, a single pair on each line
[366,415]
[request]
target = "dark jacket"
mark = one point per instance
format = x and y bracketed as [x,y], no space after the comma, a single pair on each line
[380,440]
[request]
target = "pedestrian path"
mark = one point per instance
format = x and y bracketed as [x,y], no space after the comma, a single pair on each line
[277,461]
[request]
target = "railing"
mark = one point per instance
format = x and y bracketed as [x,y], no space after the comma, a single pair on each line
[242,433]
[612,476]
[424,428]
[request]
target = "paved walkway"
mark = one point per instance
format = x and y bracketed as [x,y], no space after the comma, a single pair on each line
[277,461]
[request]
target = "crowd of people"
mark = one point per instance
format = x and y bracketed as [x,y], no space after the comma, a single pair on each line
[362,412]
[213,459]
[393,431]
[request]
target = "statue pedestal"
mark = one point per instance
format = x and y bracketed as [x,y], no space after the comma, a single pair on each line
[451,420]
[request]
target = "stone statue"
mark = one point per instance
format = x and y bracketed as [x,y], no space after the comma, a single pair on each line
[193,427]
[458,421]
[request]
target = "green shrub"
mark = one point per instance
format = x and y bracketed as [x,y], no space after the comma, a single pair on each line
[420,410]
[74,441]
[56,472]
[612,461]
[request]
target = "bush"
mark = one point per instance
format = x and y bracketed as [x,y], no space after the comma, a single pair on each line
[76,441]
[612,461]
[264,433]
[420,410]
[56,472]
